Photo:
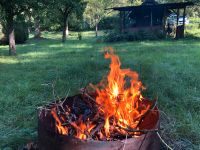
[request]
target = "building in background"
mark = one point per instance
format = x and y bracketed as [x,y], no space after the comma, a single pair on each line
[151,15]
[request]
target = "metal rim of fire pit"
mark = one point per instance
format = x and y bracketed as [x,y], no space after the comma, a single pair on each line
[48,139]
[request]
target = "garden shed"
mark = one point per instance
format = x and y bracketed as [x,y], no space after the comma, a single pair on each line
[151,15]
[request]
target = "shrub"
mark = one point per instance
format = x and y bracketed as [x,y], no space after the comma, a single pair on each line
[79,36]
[21,32]
[108,23]
[134,36]
[114,37]
[130,37]
[160,34]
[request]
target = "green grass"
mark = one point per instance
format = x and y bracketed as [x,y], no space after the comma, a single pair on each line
[169,69]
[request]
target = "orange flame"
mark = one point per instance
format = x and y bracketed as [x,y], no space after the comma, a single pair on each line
[60,128]
[116,100]
[82,130]
[118,97]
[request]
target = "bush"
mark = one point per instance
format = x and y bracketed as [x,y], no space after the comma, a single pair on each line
[160,34]
[79,36]
[114,37]
[134,36]
[108,23]
[21,32]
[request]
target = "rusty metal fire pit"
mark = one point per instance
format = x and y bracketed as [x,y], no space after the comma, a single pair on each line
[48,139]
[111,115]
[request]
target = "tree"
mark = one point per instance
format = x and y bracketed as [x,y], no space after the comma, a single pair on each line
[63,9]
[97,9]
[94,12]
[136,2]
[39,13]
[11,9]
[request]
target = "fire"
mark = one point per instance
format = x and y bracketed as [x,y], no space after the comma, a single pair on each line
[60,128]
[82,130]
[119,101]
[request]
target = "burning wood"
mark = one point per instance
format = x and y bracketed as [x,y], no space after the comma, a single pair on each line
[113,110]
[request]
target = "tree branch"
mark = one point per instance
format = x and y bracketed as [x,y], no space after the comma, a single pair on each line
[60,9]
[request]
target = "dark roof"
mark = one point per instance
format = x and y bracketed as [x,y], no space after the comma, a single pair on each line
[166,5]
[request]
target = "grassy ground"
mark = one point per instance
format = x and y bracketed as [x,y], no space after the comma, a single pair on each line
[169,70]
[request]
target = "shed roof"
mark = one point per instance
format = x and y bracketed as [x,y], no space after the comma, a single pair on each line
[166,5]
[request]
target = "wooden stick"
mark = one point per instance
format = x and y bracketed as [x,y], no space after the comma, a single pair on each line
[83,91]
[97,128]
[83,132]
[168,147]
[148,111]
[135,130]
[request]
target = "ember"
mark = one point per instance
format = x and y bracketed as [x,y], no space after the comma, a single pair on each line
[115,109]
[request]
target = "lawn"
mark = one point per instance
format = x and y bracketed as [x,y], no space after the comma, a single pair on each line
[169,69]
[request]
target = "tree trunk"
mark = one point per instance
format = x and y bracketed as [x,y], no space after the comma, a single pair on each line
[37,28]
[12,47]
[96,29]
[11,34]
[65,29]
[96,26]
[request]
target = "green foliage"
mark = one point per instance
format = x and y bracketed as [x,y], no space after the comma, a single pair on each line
[109,22]
[64,8]
[21,31]
[192,11]
[116,36]
[75,24]
[113,37]
[79,36]
[96,11]
[64,12]
[12,9]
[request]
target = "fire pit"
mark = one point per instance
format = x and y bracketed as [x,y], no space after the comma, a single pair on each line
[112,115]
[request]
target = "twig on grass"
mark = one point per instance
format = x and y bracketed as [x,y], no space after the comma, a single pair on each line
[168,147]
[53,90]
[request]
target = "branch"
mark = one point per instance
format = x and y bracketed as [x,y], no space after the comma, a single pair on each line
[67,11]
[135,130]
[60,9]
[168,147]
